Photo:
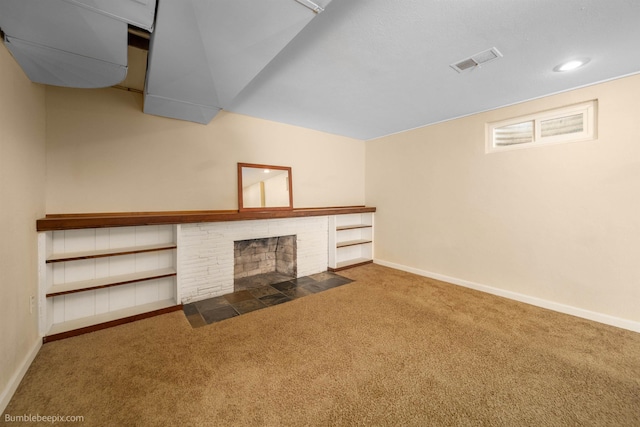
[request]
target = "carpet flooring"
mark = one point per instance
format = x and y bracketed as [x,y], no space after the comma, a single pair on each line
[390,348]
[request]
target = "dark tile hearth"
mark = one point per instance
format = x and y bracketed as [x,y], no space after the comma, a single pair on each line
[263,291]
[260,281]
[218,314]
[284,286]
[248,305]
[298,292]
[238,296]
[223,307]
[275,299]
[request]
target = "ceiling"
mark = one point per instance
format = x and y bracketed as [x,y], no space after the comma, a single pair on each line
[370,68]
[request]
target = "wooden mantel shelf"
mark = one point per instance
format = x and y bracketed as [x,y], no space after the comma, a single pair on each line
[126,219]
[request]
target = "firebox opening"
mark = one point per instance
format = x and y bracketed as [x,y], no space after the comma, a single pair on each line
[260,262]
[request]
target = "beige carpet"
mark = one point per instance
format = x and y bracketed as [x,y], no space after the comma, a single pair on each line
[390,348]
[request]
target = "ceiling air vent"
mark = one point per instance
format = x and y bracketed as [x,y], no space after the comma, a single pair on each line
[477,59]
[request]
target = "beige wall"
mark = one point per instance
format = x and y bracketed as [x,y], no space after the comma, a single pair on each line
[105,155]
[560,223]
[22,174]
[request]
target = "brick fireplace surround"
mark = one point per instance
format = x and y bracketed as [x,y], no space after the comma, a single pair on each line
[206,251]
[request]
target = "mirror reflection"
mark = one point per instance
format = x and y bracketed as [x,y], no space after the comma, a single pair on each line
[264,187]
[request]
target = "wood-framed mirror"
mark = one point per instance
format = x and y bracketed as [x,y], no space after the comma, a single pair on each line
[264,187]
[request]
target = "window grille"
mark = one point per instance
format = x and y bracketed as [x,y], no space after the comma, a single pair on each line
[566,124]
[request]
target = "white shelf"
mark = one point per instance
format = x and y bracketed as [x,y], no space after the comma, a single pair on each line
[352,261]
[109,252]
[353,243]
[352,227]
[84,322]
[104,282]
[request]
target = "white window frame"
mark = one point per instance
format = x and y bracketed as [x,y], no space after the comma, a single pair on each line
[587,109]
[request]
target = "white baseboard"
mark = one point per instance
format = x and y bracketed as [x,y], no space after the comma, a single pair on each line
[539,302]
[14,382]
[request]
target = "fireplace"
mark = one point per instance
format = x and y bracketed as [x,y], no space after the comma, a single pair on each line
[206,261]
[260,262]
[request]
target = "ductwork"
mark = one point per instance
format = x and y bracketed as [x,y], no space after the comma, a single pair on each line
[203,53]
[73,43]
[139,13]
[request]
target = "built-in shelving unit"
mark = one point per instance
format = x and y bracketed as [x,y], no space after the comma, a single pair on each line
[350,240]
[98,270]
[97,277]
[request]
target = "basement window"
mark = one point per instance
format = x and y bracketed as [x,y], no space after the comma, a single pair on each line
[566,124]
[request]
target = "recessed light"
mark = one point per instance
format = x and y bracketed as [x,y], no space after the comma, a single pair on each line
[266,171]
[571,65]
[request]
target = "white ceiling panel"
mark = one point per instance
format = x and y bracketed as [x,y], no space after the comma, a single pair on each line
[368,68]
[177,109]
[58,43]
[140,13]
[203,53]
[64,26]
[59,68]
